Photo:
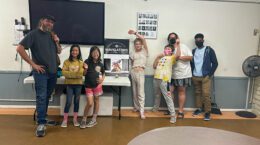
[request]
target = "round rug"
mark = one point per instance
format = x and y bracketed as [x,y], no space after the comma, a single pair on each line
[189,135]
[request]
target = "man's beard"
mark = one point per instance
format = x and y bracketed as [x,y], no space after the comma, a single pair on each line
[46,28]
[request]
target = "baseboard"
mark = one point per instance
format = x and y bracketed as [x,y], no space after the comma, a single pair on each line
[24,106]
[125,112]
[114,108]
[186,109]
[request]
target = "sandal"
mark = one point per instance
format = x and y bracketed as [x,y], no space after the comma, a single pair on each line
[180,115]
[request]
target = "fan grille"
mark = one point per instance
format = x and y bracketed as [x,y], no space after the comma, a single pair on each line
[251,66]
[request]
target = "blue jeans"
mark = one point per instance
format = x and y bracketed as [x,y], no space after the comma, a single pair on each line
[44,86]
[73,90]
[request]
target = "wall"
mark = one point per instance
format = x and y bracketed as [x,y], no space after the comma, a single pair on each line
[228,28]
[256,97]
[15,93]
[256,90]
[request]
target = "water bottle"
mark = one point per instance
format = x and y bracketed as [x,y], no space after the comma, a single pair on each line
[100,75]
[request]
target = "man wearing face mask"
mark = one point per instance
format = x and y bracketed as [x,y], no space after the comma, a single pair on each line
[44,51]
[204,65]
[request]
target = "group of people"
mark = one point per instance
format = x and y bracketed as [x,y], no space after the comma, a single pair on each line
[44,46]
[172,70]
[175,69]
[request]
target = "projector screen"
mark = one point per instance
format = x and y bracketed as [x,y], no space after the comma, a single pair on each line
[77,22]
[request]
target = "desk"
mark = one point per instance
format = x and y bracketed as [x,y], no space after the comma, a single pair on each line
[109,81]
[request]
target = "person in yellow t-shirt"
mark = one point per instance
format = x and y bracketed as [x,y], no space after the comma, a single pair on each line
[73,71]
[162,78]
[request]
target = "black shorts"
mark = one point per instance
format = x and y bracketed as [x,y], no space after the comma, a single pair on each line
[186,82]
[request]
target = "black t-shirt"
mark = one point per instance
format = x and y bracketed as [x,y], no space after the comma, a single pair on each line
[93,72]
[43,49]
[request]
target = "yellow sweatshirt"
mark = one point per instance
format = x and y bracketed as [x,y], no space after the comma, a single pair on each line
[73,71]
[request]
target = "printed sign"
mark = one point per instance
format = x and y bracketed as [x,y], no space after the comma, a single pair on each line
[116,57]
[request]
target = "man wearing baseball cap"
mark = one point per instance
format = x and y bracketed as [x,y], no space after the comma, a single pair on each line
[49,17]
[44,64]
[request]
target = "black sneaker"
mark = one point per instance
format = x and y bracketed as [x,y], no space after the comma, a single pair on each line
[197,112]
[40,131]
[207,116]
[52,123]
[167,112]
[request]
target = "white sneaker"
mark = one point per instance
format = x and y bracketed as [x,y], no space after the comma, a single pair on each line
[40,131]
[173,119]
[154,109]
[83,124]
[91,123]
[64,124]
[76,123]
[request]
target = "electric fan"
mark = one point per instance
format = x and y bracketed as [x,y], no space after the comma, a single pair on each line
[251,68]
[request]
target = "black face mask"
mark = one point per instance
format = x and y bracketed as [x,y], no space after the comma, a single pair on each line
[172,41]
[199,44]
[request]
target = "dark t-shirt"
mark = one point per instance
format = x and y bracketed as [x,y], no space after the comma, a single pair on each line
[93,73]
[43,48]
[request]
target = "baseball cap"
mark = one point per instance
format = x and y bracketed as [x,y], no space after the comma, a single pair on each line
[49,17]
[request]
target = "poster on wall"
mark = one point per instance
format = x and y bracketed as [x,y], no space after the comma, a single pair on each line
[116,57]
[147,24]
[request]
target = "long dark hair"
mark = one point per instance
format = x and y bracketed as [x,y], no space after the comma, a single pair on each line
[168,38]
[93,48]
[79,57]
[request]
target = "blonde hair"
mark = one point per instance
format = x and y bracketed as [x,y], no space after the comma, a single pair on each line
[138,40]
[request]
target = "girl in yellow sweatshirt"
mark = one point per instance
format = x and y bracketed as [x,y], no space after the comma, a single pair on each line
[73,72]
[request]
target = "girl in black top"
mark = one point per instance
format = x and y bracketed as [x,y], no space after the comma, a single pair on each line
[94,76]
